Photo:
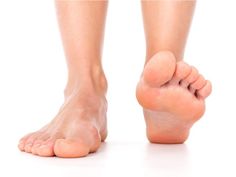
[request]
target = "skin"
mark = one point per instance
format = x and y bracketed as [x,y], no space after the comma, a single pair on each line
[170,91]
[172,95]
[80,125]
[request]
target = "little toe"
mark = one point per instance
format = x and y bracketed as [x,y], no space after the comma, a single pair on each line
[205,91]
[70,148]
[21,146]
[23,140]
[30,141]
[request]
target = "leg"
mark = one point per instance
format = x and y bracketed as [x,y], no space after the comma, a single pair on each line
[80,125]
[171,92]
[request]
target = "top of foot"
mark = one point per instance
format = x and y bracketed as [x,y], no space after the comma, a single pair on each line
[77,130]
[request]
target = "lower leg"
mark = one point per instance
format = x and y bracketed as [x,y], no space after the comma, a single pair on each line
[82,30]
[166,25]
[170,91]
[80,125]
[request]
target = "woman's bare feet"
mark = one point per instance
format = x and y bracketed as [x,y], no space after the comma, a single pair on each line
[172,95]
[77,129]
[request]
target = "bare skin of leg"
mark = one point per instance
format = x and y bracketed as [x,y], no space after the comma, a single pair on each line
[171,92]
[80,125]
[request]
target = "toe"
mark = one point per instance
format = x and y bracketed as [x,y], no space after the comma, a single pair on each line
[35,147]
[199,83]
[30,141]
[46,149]
[28,147]
[205,91]
[190,78]
[70,148]
[37,143]
[184,83]
[23,140]
[159,69]
[182,71]
[193,76]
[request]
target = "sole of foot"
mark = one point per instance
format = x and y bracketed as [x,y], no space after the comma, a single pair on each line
[172,95]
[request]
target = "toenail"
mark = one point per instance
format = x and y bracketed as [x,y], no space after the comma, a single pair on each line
[43,146]
[21,145]
[36,145]
[29,144]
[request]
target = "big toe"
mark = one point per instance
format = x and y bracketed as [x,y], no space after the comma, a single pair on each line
[160,68]
[70,148]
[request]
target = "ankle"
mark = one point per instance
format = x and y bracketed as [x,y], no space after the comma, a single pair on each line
[93,81]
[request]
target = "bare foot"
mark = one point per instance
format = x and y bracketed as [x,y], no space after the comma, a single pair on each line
[172,95]
[77,129]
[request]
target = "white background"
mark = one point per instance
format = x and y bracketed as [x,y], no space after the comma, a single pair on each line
[33,75]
